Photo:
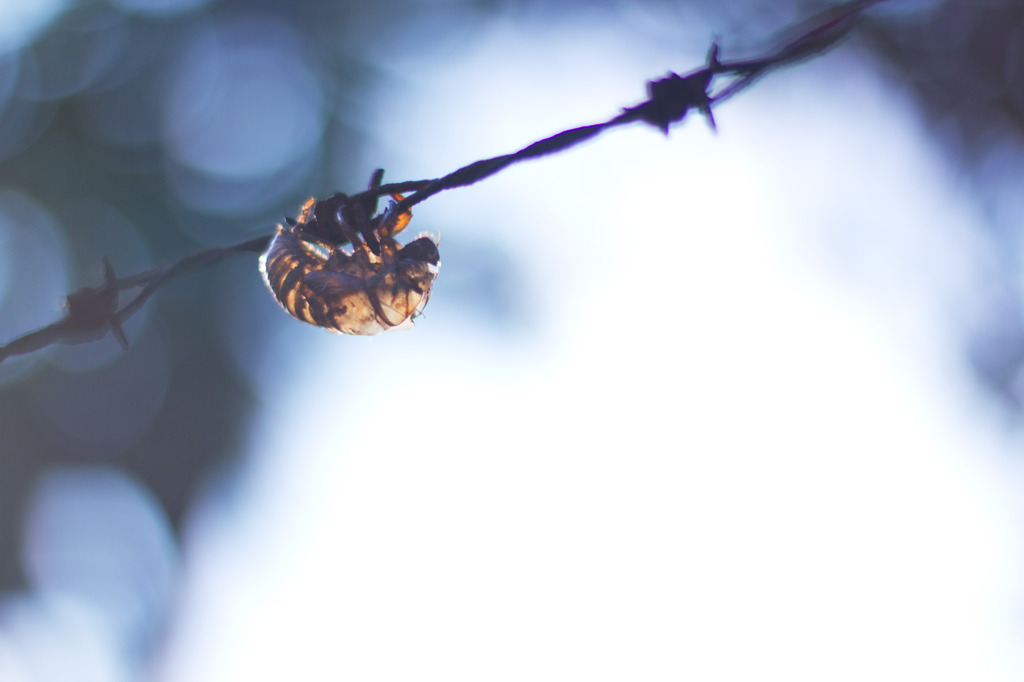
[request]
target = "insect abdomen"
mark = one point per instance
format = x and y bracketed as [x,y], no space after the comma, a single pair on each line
[360,292]
[285,265]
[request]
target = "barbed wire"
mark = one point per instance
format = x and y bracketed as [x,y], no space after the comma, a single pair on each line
[93,312]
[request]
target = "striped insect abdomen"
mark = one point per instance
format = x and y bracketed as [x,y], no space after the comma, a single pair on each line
[351,294]
[285,265]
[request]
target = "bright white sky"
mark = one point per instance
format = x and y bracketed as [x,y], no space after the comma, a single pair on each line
[729,440]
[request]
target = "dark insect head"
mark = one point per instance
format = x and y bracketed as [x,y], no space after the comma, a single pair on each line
[320,219]
[423,250]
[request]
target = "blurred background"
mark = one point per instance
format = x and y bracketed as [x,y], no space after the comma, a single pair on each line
[712,407]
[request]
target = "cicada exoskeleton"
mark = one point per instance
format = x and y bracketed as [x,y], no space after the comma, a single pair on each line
[375,286]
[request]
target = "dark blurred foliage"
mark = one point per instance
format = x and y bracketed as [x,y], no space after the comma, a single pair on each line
[104,116]
[963,61]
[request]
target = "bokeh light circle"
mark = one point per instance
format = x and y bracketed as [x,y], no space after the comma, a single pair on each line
[33,274]
[244,103]
[158,8]
[21,22]
[97,536]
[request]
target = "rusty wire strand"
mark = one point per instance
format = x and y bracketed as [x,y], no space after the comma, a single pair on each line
[93,312]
